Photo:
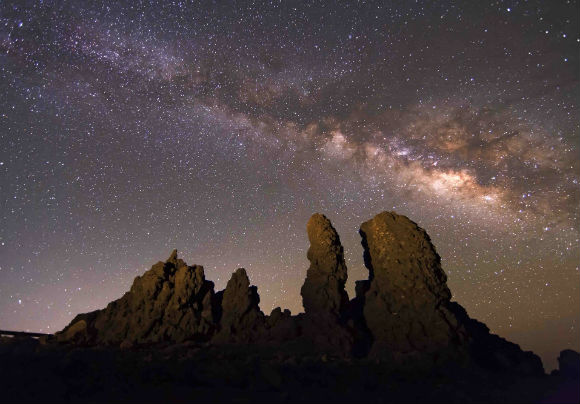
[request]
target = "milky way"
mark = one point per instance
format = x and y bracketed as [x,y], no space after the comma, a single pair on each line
[127,130]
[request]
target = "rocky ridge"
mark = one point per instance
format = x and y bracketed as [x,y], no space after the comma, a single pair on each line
[402,314]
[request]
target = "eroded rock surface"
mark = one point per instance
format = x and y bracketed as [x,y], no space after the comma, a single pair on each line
[407,307]
[323,290]
[170,302]
[406,297]
[401,315]
[241,319]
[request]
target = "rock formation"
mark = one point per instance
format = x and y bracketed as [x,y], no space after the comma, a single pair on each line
[569,364]
[491,351]
[281,326]
[402,314]
[324,298]
[241,319]
[323,290]
[407,305]
[170,302]
[406,297]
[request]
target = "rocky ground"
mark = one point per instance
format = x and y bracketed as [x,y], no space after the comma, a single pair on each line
[192,372]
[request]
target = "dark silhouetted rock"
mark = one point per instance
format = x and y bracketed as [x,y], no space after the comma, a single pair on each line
[241,319]
[569,364]
[493,352]
[323,290]
[170,302]
[281,326]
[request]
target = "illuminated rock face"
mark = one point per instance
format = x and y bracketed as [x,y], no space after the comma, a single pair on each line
[406,298]
[323,296]
[323,290]
[407,308]
[172,302]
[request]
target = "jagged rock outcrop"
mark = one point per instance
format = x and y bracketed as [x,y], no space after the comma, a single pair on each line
[402,314]
[170,302]
[323,290]
[241,318]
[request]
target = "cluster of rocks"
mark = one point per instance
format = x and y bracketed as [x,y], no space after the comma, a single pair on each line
[402,314]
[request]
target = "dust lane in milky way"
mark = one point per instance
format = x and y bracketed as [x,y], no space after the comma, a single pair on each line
[127,130]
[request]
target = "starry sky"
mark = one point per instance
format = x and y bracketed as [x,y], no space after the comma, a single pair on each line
[131,128]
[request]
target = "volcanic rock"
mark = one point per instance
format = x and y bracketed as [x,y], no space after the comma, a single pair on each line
[170,302]
[401,315]
[323,290]
[407,307]
[324,298]
[241,319]
[406,296]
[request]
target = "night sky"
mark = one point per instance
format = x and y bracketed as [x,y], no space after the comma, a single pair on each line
[131,128]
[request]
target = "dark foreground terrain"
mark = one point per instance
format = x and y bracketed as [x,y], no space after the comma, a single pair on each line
[31,372]
[173,338]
